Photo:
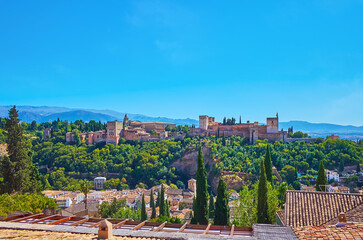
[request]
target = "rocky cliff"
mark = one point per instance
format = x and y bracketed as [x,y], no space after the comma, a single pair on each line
[188,165]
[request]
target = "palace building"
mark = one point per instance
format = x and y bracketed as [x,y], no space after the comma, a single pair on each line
[252,131]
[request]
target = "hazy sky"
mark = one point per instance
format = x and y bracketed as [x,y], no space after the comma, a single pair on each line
[303,59]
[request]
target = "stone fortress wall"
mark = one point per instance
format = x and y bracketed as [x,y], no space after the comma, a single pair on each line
[251,131]
[155,131]
[127,129]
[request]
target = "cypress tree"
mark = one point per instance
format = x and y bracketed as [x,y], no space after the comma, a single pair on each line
[17,169]
[201,213]
[268,164]
[211,207]
[152,205]
[76,138]
[193,220]
[167,210]
[162,202]
[321,181]
[218,132]
[158,200]
[222,209]
[223,140]
[262,206]
[240,119]
[143,209]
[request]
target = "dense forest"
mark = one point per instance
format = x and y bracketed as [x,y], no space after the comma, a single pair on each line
[145,164]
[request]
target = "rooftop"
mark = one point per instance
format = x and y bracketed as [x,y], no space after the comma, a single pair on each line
[127,228]
[316,208]
[29,234]
[350,231]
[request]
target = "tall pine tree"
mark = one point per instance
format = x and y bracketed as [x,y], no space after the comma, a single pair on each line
[17,169]
[262,205]
[201,214]
[143,209]
[268,165]
[222,209]
[152,205]
[321,181]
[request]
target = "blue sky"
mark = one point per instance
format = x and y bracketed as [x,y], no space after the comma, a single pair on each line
[303,59]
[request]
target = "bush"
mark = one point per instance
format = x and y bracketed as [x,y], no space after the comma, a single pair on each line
[34,203]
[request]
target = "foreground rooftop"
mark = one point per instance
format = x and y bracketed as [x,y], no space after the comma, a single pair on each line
[350,231]
[148,230]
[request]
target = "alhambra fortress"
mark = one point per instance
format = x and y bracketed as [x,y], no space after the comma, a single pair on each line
[129,130]
[156,131]
[251,131]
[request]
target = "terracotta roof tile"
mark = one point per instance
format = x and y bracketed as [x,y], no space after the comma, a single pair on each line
[350,231]
[316,208]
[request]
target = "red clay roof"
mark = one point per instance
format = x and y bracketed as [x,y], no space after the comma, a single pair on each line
[316,208]
[350,231]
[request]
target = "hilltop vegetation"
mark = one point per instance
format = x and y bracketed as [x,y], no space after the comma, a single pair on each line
[147,164]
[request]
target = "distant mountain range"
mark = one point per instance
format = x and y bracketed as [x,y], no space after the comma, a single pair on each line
[325,129]
[45,113]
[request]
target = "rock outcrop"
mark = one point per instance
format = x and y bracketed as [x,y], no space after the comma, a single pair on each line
[188,165]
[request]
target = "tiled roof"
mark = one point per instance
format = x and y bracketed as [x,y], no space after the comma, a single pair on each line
[316,208]
[172,191]
[92,206]
[350,231]
[28,234]
[354,215]
[281,215]
[271,232]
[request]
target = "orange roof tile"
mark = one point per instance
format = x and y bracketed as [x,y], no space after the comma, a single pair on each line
[350,231]
[316,208]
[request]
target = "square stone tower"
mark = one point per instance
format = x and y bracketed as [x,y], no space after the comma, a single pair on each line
[203,122]
[192,185]
[272,125]
[114,129]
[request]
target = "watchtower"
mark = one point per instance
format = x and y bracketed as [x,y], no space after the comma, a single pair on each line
[126,120]
[192,185]
[114,129]
[272,124]
[203,122]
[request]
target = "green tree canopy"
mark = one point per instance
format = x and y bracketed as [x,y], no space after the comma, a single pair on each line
[17,169]
[201,213]
[268,164]
[143,209]
[262,204]
[321,181]
[222,208]
[211,206]
[152,205]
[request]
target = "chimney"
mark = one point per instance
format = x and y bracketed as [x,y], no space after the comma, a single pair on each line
[342,220]
[105,230]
